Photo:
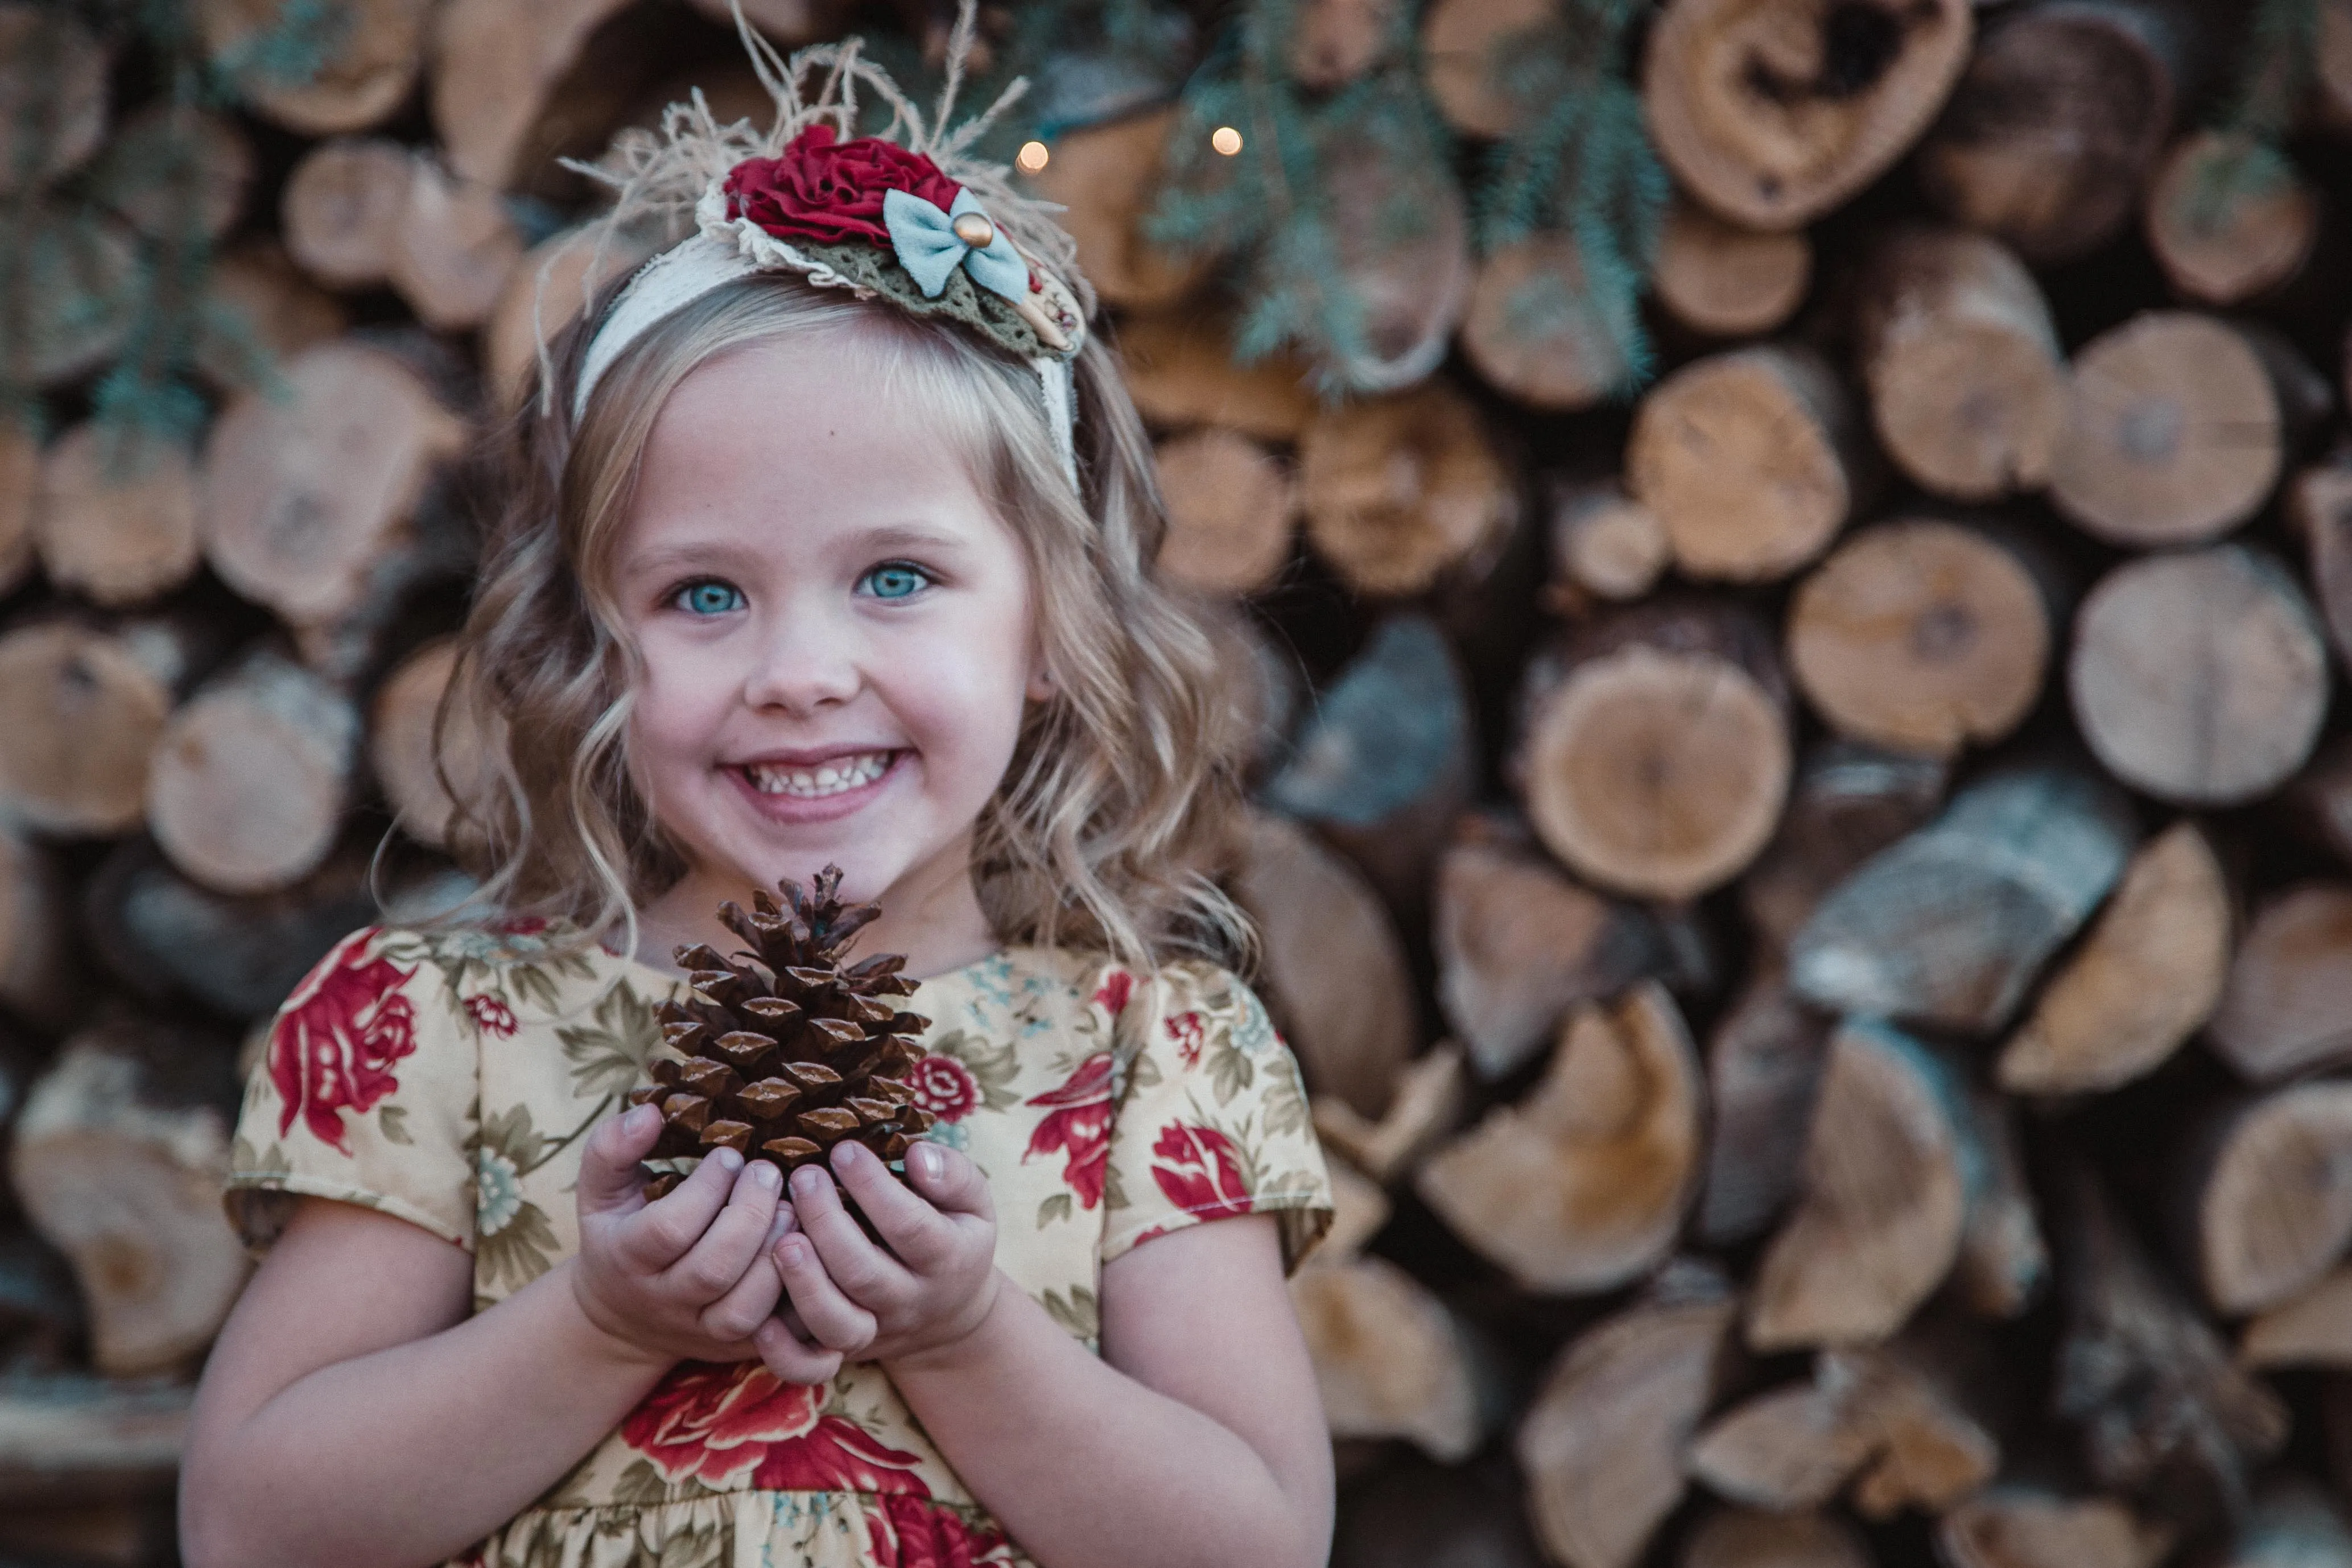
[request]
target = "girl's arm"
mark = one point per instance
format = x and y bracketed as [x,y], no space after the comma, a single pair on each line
[1197,1437]
[352,1413]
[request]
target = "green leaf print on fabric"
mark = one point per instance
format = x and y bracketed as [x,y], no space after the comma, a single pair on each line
[395,1122]
[1282,1107]
[1078,1313]
[609,1056]
[514,1244]
[1230,1072]
[640,1483]
[1059,1207]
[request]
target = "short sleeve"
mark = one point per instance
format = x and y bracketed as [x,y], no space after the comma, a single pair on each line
[365,1094]
[1210,1120]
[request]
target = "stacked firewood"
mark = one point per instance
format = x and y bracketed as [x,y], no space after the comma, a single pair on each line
[1814,905]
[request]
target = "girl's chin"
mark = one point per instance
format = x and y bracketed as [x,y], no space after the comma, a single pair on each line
[804,811]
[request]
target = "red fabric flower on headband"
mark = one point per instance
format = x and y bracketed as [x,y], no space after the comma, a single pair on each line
[826,190]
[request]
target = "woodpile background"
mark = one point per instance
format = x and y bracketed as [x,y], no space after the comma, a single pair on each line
[1816,901]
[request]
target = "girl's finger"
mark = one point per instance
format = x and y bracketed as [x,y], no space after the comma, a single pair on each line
[911,1226]
[715,1264]
[832,1318]
[863,1271]
[950,1181]
[737,1315]
[661,1232]
[791,1359]
[608,1161]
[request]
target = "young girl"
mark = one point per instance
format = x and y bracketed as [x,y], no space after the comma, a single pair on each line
[830,548]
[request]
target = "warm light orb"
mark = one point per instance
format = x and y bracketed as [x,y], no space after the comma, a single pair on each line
[1226,140]
[1031,159]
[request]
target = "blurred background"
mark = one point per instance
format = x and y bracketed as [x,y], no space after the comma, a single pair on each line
[1788,563]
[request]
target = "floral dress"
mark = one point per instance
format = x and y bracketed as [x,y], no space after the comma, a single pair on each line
[450,1080]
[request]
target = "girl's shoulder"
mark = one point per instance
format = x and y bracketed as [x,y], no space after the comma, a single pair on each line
[478,978]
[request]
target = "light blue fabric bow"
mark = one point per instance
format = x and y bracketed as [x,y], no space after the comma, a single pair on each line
[925,239]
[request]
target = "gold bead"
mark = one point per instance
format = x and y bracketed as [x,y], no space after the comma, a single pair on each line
[974,229]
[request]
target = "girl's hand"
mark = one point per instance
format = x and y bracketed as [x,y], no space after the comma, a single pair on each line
[934,1286]
[685,1278]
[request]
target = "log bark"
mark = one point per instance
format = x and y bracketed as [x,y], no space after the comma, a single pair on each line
[1773,114]
[1949,926]
[2200,677]
[1390,1360]
[67,1436]
[312,504]
[1967,379]
[2061,112]
[454,250]
[2227,223]
[1519,943]
[1750,460]
[1387,762]
[1604,543]
[1582,1185]
[2146,977]
[2312,1328]
[375,61]
[1878,1223]
[1427,1105]
[20,484]
[1764,1065]
[1921,636]
[1849,803]
[343,208]
[2284,1007]
[1654,750]
[122,1172]
[1107,177]
[554,283]
[52,94]
[1531,331]
[170,940]
[1232,511]
[1399,490]
[1334,972]
[251,776]
[1462,43]
[1724,281]
[416,759]
[1602,1444]
[36,978]
[117,515]
[2161,1407]
[1891,1423]
[2177,431]
[495,62]
[2319,508]
[2270,1189]
[2011,1526]
[2319,798]
[2004,1257]
[1180,370]
[83,708]
[1747,1538]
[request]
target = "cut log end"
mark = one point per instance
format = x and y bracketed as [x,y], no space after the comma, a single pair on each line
[2229,219]
[2284,1009]
[1726,281]
[1390,1360]
[83,713]
[2022,1527]
[1532,331]
[117,515]
[2273,1213]
[1106,176]
[1230,510]
[1606,543]
[1399,489]
[1751,1537]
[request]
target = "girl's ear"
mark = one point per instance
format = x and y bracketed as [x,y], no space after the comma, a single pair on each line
[1041,686]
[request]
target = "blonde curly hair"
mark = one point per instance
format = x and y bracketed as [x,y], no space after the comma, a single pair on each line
[1123,784]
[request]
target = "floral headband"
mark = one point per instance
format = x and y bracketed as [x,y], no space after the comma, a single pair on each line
[904,216]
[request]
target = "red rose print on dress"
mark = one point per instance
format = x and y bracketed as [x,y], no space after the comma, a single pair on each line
[739,1426]
[335,1042]
[944,1086]
[1078,1123]
[1199,1170]
[1190,1031]
[490,1015]
[828,192]
[1112,995]
[909,1532]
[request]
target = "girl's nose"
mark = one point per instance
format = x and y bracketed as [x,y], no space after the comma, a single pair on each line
[803,665]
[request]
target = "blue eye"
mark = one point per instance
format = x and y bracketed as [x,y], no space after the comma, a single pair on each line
[894,580]
[708,597]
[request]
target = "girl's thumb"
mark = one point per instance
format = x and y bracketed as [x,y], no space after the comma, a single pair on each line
[608,1165]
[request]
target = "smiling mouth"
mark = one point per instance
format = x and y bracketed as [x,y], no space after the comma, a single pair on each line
[836,777]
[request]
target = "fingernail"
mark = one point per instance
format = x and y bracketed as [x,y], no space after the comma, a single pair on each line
[791,1252]
[639,1119]
[729,1160]
[807,1180]
[765,1176]
[925,1161]
[846,1156]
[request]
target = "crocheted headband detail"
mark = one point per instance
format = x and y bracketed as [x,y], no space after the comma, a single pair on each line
[904,216]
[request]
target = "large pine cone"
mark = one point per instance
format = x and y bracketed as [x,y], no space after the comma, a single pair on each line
[780,1052]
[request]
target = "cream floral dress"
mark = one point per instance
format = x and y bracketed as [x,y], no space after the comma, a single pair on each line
[450,1080]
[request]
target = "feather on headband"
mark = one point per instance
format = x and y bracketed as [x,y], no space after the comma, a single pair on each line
[907,215]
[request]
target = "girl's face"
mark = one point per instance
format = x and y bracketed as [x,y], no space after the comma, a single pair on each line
[837,633]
